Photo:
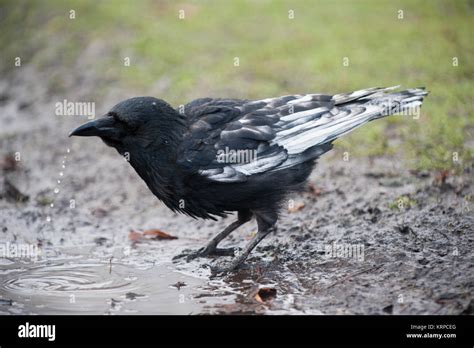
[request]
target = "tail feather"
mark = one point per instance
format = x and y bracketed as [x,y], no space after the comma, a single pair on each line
[360,94]
[350,111]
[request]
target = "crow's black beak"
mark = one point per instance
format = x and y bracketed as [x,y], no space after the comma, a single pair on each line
[102,127]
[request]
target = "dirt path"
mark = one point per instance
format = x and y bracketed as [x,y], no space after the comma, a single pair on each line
[369,237]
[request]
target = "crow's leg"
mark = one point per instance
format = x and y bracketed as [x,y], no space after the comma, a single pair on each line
[211,248]
[238,260]
[266,222]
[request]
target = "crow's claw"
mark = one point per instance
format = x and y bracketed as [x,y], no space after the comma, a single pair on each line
[205,252]
[184,253]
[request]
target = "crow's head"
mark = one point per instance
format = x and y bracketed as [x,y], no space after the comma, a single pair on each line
[135,123]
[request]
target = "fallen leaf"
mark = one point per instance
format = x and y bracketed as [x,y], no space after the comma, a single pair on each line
[153,234]
[134,236]
[265,294]
[8,163]
[440,178]
[158,234]
[296,207]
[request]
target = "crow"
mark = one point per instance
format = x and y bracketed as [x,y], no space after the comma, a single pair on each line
[214,157]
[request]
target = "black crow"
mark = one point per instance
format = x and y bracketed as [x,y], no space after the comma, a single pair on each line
[217,156]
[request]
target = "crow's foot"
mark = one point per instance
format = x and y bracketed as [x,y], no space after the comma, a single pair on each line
[205,252]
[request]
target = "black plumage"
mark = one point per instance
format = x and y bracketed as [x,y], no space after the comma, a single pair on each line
[189,159]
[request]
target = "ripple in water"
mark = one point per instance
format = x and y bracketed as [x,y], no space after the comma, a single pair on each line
[91,288]
[65,277]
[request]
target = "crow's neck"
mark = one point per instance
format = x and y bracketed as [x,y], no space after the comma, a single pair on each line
[157,167]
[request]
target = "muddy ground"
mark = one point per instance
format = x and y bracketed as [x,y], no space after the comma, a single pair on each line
[410,234]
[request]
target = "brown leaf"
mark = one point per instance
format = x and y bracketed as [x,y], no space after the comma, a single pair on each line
[158,234]
[296,207]
[135,236]
[440,178]
[153,234]
[8,163]
[265,294]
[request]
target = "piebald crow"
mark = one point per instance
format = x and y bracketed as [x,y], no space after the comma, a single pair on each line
[217,156]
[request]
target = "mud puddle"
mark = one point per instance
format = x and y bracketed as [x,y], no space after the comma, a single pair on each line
[75,284]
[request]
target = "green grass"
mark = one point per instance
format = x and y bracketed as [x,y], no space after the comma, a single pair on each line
[194,57]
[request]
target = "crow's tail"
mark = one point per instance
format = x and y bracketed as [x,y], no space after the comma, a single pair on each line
[314,134]
[360,107]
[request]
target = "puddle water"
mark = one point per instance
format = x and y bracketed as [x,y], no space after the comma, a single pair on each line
[84,287]
[83,280]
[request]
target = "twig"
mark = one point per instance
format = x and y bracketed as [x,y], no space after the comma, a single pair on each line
[110,265]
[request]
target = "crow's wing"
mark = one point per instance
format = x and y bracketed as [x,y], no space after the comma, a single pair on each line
[230,140]
[222,128]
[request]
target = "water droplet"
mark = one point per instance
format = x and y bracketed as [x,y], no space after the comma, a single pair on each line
[61,173]
[59,181]
[68,150]
[52,205]
[56,190]
[48,218]
[63,166]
